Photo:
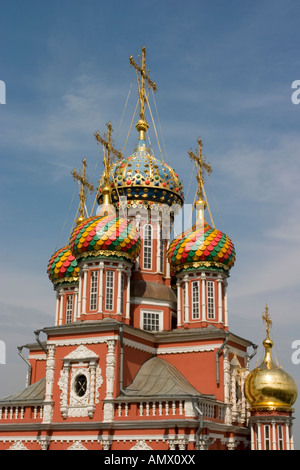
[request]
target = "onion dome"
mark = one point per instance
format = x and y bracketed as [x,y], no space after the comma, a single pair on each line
[268,386]
[201,246]
[105,236]
[143,179]
[63,267]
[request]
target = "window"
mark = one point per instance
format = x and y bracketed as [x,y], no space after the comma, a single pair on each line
[109,295]
[80,385]
[210,299]
[267,437]
[195,300]
[280,438]
[151,321]
[147,255]
[94,290]
[69,309]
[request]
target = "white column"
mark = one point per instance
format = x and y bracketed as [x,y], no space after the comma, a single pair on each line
[168,267]
[100,287]
[220,306]
[178,304]
[258,436]
[75,303]
[79,310]
[57,308]
[186,307]
[252,438]
[50,367]
[287,437]
[127,314]
[292,437]
[273,435]
[84,293]
[225,284]
[61,304]
[203,296]
[119,271]
[158,248]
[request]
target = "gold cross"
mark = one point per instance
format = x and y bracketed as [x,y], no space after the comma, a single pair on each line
[83,185]
[201,166]
[141,81]
[267,319]
[107,143]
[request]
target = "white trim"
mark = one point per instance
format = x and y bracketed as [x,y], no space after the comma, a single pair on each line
[159,303]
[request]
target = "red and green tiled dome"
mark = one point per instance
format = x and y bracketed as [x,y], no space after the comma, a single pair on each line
[201,247]
[63,267]
[105,236]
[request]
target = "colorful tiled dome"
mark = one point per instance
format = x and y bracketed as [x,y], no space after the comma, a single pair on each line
[107,236]
[144,179]
[63,267]
[201,247]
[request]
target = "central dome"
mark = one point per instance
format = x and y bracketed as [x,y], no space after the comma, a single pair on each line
[143,179]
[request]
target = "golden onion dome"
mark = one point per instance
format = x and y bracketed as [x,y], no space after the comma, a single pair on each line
[268,386]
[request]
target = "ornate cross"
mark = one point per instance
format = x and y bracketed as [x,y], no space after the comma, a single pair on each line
[107,143]
[267,319]
[83,185]
[141,81]
[201,167]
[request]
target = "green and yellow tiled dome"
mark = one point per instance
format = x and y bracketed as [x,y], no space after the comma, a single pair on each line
[144,179]
[105,236]
[63,267]
[201,247]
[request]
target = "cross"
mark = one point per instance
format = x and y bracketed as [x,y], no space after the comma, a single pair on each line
[83,185]
[107,143]
[267,319]
[141,82]
[201,166]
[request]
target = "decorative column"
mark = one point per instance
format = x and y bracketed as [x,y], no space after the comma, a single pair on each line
[84,293]
[158,242]
[61,305]
[287,437]
[225,284]
[119,271]
[91,405]
[75,303]
[127,313]
[203,296]
[48,403]
[57,308]
[178,304]
[100,287]
[220,306]
[186,299]
[226,366]
[110,378]
[273,435]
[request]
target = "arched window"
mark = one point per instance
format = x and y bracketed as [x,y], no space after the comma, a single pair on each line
[94,290]
[147,253]
[69,309]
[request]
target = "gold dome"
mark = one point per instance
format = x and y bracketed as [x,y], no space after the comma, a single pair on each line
[268,386]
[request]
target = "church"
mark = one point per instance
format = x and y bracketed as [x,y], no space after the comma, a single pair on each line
[140,355]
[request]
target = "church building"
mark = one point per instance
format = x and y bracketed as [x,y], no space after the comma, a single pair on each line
[140,355]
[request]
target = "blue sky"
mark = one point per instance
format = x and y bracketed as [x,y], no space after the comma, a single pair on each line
[224,72]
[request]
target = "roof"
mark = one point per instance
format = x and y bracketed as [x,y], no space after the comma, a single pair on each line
[32,394]
[158,378]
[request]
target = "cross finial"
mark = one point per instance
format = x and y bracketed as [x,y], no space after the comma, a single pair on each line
[267,319]
[83,185]
[109,154]
[201,167]
[142,125]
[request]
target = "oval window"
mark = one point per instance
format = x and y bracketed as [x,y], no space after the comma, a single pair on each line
[80,385]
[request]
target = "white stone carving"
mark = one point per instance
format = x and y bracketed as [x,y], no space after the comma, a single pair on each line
[18,445]
[141,445]
[77,446]
[81,361]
